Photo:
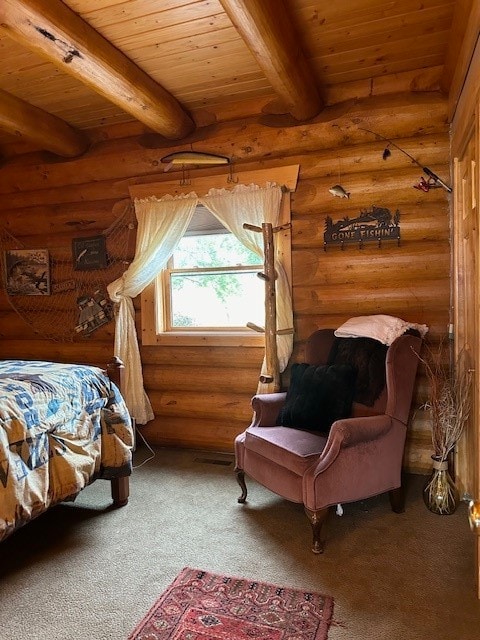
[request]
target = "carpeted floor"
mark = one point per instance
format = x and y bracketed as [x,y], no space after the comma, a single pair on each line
[85,571]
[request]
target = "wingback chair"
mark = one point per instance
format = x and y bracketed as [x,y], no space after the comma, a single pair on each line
[360,457]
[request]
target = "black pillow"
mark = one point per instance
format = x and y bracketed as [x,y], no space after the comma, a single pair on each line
[317,396]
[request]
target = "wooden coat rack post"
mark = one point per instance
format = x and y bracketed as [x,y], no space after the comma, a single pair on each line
[269,275]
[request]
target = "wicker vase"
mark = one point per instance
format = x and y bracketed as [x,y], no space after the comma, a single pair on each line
[440,493]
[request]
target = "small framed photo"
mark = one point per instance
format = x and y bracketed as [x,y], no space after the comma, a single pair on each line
[27,272]
[89,253]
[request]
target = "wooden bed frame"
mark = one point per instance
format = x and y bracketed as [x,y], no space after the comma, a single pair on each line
[120,487]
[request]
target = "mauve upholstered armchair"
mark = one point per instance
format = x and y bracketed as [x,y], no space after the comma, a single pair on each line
[360,457]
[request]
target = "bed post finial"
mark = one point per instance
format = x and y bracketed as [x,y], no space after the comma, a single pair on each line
[115,371]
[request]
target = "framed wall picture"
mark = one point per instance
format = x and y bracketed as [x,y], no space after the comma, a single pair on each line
[89,253]
[27,272]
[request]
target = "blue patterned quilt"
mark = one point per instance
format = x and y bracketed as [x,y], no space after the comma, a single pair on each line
[61,427]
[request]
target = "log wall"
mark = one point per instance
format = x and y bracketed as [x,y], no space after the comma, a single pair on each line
[201,395]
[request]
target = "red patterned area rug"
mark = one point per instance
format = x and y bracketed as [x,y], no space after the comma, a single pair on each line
[205,606]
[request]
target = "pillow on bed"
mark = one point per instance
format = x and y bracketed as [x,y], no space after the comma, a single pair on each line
[317,396]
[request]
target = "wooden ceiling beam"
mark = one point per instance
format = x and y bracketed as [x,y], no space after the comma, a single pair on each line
[47,131]
[56,33]
[267,29]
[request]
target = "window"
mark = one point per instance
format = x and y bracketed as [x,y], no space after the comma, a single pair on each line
[209,289]
[211,282]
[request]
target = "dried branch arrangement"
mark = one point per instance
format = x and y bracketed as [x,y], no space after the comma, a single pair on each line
[450,399]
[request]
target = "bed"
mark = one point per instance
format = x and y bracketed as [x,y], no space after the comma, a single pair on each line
[62,426]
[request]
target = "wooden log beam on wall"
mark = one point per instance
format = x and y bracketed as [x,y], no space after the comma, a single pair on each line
[49,132]
[56,33]
[143,163]
[267,29]
[395,117]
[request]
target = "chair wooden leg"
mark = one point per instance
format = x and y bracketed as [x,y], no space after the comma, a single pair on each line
[240,475]
[317,520]
[120,491]
[397,499]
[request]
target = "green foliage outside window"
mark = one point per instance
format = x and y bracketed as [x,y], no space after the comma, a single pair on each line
[211,252]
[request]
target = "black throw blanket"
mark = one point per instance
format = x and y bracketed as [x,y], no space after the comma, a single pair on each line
[367,357]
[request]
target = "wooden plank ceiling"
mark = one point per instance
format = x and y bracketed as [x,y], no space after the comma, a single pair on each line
[67,67]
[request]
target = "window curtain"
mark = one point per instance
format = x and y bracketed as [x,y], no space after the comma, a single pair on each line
[161,225]
[257,205]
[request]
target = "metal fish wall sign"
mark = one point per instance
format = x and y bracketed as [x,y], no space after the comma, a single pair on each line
[183,158]
[375,224]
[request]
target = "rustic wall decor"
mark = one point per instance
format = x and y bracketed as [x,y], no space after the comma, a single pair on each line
[375,224]
[95,310]
[424,185]
[65,285]
[57,317]
[89,253]
[27,272]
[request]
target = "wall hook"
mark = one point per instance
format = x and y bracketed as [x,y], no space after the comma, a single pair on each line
[231,177]
[185,180]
